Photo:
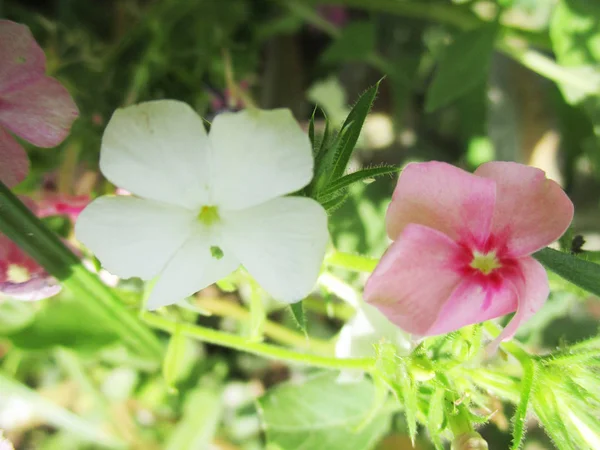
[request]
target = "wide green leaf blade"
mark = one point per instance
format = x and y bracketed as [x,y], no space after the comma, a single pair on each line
[322,413]
[463,66]
[580,272]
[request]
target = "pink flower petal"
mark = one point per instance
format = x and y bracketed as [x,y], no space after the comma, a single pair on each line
[442,197]
[32,290]
[21,58]
[40,112]
[532,292]
[14,163]
[467,305]
[414,279]
[531,209]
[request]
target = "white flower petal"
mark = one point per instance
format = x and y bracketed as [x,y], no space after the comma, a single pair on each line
[191,269]
[368,327]
[258,156]
[281,243]
[133,236]
[158,150]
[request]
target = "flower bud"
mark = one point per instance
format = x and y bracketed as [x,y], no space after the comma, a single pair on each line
[469,441]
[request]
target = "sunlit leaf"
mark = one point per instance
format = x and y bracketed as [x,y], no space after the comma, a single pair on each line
[463,66]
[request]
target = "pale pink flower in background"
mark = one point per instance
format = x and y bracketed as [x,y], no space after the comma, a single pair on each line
[463,245]
[336,15]
[33,106]
[59,204]
[21,277]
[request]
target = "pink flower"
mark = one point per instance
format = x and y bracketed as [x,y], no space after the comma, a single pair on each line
[32,105]
[59,204]
[463,245]
[21,277]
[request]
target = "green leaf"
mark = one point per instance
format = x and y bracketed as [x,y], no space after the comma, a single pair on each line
[311,131]
[527,386]
[463,66]
[201,415]
[336,158]
[29,233]
[297,310]
[435,417]
[333,204]
[357,176]
[65,323]
[581,273]
[409,396]
[575,33]
[322,413]
[173,359]
[355,43]
[546,408]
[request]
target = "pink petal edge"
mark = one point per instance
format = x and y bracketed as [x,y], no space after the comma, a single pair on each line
[533,209]
[14,163]
[442,197]
[40,112]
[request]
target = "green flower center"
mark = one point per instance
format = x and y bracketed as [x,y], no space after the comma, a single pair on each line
[486,263]
[209,215]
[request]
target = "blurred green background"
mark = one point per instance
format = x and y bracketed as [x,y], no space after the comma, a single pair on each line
[451,92]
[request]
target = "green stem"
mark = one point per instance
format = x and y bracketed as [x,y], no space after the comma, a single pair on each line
[257,348]
[32,236]
[349,261]
[546,67]
[273,330]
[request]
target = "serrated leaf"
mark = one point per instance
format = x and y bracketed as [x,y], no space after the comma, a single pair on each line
[463,66]
[355,43]
[409,396]
[333,204]
[527,385]
[336,158]
[322,413]
[584,274]
[546,408]
[297,310]
[355,177]
[324,142]
[435,417]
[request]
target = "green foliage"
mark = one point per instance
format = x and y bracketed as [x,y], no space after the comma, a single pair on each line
[332,157]
[299,315]
[582,273]
[20,225]
[463,66]
[201,415]
[356,42]
[65,323]
[321,413]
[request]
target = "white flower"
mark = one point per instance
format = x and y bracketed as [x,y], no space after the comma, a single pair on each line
[359,335]
[5,443]
[206,203]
